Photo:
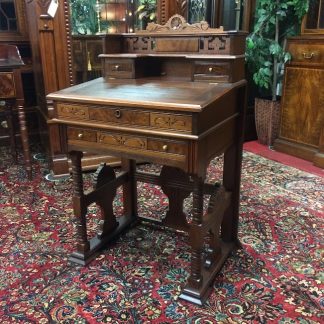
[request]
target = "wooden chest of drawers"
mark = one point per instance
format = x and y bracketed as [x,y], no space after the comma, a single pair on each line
[302,104]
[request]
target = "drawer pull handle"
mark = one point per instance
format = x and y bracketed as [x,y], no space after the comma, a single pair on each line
[308,56]
[118,113]
[4,124]
[80,135]
[210,69]
[165,148]
[116,67]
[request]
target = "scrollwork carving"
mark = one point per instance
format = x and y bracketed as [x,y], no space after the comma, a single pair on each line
[178,24]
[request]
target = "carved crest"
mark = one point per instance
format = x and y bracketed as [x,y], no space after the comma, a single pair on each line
[177,24]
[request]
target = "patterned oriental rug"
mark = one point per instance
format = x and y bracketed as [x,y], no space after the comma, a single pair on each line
[276,278]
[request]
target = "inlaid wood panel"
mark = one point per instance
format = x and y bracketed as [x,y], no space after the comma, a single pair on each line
[303,105]
[72,111]
[122,140]
[178,122]
[118,115]
[7,86]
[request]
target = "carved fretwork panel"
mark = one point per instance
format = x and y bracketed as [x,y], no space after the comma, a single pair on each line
[215,44]
[140,44]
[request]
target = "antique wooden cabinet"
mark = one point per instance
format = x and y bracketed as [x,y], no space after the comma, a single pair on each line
[13,31]
[302,113]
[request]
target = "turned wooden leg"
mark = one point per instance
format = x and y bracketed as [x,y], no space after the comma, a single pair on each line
[79,207]
[8,114]
[130,189]
[197,237]
[175,217]
[24,137]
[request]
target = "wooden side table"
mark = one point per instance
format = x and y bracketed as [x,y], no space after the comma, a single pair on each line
[11,94]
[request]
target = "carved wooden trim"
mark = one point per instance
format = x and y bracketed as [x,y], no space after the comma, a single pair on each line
[69,40]
[178,24]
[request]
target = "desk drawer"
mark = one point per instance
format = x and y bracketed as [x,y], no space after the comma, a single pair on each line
[82,134]
[229,70]
[123,116]
[219,72]
[130,143]
[7,85]
[123,69]
[306,53]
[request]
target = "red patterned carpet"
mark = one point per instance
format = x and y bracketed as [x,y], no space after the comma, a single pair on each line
[276,278]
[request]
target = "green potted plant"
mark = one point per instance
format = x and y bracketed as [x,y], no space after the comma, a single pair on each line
[146,12]
[275,20]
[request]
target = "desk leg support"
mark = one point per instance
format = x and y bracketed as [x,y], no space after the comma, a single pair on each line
[103,194]
[193,290]
[80,210]
[208,250]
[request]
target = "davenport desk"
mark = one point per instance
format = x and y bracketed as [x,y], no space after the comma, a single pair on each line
[179,110]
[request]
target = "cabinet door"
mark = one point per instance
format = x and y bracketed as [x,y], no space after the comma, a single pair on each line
[302,116]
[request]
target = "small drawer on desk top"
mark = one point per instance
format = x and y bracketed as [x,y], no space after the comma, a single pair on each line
[123,69]
[7,85]
[306,53]
[80,134]
[219,72]
[229,70]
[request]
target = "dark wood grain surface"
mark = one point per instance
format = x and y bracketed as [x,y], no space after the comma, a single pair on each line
[149,93]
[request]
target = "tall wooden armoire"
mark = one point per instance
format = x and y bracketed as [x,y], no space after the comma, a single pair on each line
[302,104]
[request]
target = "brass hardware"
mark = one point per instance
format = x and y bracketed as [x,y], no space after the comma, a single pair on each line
[116,67]
[80,135]
[117,113]
[4,124]
[308,56]
[210,69]
[165,148]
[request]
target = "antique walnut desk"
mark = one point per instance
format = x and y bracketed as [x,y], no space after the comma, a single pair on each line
[12,95]
[172,95]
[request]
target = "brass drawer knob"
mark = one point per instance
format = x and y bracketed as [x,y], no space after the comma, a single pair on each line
[210,69]
[117,113]
[308,56]
[4,124]
[80,135]
[165,148]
